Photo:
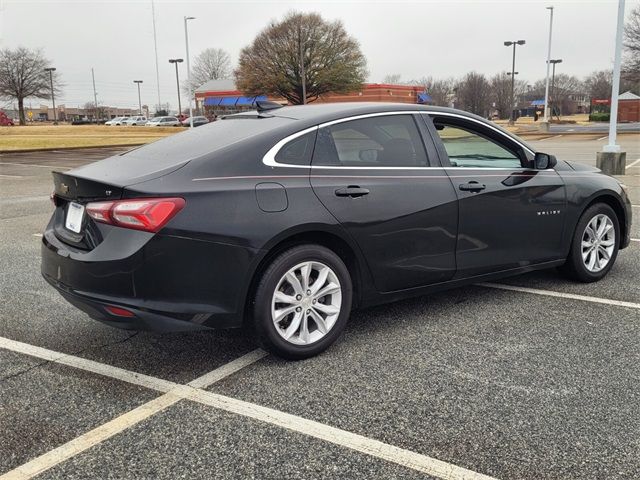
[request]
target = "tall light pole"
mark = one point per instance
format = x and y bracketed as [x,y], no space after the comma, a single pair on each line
[53,99]
[186,41]
[176,61]
[139,99]
[95,94]
[513,70]
[553,83]
[546,88]
[615,90]
[155,46]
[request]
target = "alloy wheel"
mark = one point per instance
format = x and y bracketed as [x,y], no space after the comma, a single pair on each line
[306,303]
[598,243]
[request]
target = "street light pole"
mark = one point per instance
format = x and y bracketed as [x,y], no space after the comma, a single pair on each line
[95,95]
[139,98]
[186,41]
[176,61]
[615,90]
[53,99]
[546,88]
[553,83]
[513,70]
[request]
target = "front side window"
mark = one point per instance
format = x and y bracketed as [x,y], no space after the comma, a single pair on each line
[381,141]
[467,148]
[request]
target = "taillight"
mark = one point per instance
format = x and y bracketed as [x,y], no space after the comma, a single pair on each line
[148,214]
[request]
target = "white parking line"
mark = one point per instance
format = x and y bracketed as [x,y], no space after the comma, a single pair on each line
[635,239]
[550,293]
[552,137]
[633,164]
[10,176]
[602,138]
[177,392]
[53,167]
[375,448]
[174,393]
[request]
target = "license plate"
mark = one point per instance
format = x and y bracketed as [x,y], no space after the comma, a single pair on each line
[75,212]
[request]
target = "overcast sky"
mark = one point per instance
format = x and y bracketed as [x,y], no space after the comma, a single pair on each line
[413,39]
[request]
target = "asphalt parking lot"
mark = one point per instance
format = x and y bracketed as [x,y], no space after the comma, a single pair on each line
[534,377]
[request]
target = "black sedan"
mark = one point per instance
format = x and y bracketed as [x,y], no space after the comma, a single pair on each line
[285,219]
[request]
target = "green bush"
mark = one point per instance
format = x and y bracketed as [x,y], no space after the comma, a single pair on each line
[599,117]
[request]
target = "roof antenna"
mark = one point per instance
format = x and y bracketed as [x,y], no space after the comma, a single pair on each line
[265,106]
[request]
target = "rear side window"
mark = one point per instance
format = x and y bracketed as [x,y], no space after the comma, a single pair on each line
[383,141]
[298,151]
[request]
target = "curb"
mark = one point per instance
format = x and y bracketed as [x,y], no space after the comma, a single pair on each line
[51,149]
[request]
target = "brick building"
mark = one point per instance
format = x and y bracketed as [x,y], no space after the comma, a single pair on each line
[222,97]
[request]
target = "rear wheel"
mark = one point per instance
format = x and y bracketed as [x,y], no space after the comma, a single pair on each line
[595,244]
[302,302]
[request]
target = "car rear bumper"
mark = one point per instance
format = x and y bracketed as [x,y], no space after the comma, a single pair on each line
[168,283]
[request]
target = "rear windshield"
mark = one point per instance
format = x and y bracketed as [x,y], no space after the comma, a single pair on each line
[175,150]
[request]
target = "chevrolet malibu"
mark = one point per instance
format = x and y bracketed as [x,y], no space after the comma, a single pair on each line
[286,219]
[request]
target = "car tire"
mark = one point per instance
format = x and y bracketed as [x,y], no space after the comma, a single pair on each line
[285,302]
[592,253]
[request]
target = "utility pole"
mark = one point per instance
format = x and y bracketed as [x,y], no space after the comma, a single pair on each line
[139,99]
[176,61]
[53,99]
[513,75]
[95,95]
[303,78]
[545,122]
[186,41]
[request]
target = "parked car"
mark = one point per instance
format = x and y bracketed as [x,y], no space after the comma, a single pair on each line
[135,121]
[5,121]
[116,121]
[164,122]
[197,121]
[286,219]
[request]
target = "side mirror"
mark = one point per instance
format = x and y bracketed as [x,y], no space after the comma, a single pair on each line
[543,161]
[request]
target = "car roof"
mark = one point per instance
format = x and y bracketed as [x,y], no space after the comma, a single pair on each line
[314,114]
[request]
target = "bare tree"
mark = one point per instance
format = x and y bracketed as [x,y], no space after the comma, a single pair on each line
[631,67]
[332,59]
[501,94]
[440,90]
[473,93]
[211,64]
[22,75]
[598,84]
[392,79]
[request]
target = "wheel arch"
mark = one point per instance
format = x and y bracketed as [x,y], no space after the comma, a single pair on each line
[321,235]
[616,204]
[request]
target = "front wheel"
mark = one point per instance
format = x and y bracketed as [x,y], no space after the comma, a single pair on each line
[595,244]
[302,302]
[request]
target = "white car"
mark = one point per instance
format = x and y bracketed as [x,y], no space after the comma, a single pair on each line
[136,120]
[163,122]
[116,121]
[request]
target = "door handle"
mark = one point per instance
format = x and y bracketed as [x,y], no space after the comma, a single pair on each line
[472,186]
[352,191]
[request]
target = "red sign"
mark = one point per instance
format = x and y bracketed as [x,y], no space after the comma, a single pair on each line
[600,101]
